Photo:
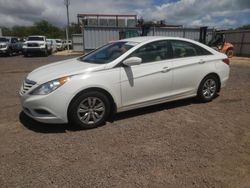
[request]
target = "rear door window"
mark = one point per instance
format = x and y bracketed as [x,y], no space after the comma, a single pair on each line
[186,49]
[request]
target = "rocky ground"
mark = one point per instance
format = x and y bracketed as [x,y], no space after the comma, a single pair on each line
[177,144]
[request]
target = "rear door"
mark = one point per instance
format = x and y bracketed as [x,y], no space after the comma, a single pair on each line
[190,64]
[152,79]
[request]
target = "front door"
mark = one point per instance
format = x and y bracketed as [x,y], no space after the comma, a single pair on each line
[151,80]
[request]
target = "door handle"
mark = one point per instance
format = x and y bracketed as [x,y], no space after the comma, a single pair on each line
[165,69]
[202,61]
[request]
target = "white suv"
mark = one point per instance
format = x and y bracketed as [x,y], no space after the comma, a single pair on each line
[36,44]
[123,75]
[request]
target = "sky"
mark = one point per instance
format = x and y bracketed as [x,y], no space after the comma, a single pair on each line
[221,14]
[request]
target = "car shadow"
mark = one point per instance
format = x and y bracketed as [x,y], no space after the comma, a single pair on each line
[34,55]
[152,109]
[35,126]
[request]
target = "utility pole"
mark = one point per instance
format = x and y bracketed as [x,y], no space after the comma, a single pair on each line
[82,24]
[67,2]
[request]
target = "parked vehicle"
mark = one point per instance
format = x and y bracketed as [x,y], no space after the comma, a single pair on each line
[219,43]
[10,46]
[66,44]
[59,45]
[124,34]
[49,46]
[52,44]
[123,75]
[36,44]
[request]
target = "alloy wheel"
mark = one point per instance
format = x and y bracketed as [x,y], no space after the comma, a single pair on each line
[209,88]
[91,110]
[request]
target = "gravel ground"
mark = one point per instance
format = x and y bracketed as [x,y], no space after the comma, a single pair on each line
[177,144]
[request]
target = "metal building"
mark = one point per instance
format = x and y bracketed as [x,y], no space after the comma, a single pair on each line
[107,20]
[94,37]
[99,29]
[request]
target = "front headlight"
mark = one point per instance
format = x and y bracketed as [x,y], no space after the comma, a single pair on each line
[24,45]
[50,86]
[42,45]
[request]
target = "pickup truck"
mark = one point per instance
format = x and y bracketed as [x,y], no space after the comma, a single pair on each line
[10,46]
[36,44]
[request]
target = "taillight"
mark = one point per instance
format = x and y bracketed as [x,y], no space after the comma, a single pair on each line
[226,61]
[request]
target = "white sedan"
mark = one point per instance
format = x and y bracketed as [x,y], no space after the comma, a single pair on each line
[123,75]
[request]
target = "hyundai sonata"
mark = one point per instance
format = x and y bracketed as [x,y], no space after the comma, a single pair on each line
[120,76]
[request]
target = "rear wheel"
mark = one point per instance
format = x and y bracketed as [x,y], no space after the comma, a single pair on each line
[208,88]
[230,53]
[89,110]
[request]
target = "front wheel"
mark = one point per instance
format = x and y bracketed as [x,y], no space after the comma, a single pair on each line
[89,110]
[46,53]
[208,88]
[10,53]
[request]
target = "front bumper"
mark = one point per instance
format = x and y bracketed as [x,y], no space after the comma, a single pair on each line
[34,50]
[51,108]
[4,51]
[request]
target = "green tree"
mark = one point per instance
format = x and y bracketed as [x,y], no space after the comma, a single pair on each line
[73,29]
[42,27]
[244,27]
[45,28]
[6,31]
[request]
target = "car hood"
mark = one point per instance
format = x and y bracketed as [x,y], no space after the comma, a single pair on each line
[63,68]
[34,41]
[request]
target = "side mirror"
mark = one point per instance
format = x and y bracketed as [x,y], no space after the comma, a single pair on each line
[132,61]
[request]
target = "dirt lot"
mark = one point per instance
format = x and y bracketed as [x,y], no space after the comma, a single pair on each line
[178,144]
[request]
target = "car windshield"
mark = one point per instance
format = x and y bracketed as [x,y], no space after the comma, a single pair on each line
[4,39]
[108,53]
[35,39]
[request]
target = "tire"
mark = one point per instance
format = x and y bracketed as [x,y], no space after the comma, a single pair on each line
[230,53]
[208,88]
[10,53]
[89,110]
[46,53]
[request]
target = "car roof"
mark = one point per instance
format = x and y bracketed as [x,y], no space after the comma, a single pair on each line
[148,39]
[36,36]
[152,38]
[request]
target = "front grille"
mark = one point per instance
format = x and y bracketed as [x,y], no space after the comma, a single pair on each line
[33,45]
[27,85]
[3,46]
